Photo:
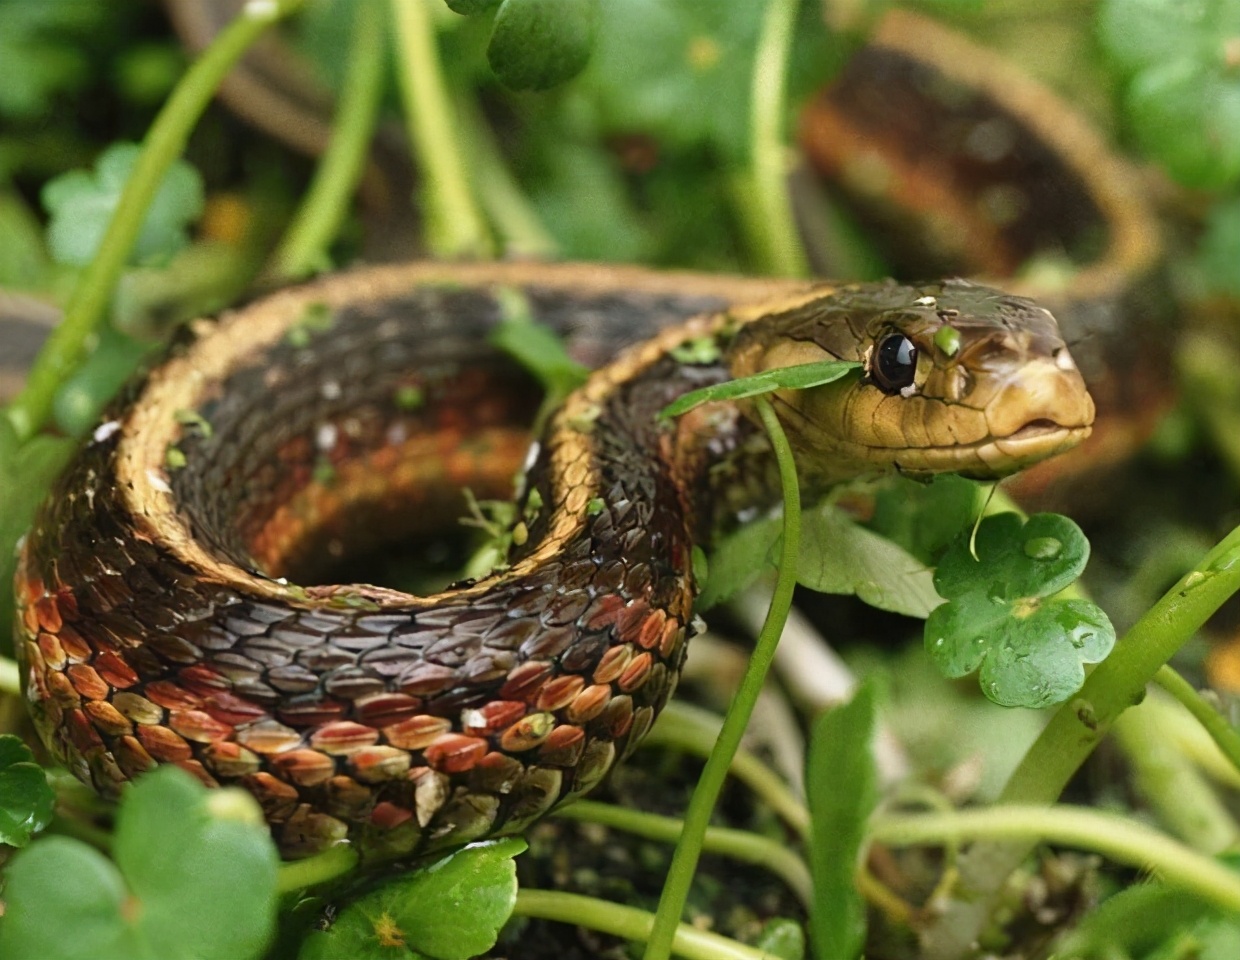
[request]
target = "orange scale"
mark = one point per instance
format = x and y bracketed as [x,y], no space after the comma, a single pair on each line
[202,680]
[613,663]
[53,654]
[603,611]
[417,732]
[527,733]
[232,710]
[636,673]
[164,745]
[493,717]
[343,737]
[651,631]
[306,768]
[525,681]
[169,696]
[198,726]
[75,647]
[630,619]
[107,719]
[387,816]
[563,746]
[560,692]
[82,733]
[589,703]
[47,610]
[87,682]
[673,636]
[455,752]
[60,691]
[115,670]
[268,736]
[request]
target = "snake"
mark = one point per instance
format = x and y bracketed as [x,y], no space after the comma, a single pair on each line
[170,609]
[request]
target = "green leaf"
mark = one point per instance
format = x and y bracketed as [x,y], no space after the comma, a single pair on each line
[26,472]
[924,518]
[453,910]
[65,901]
[1136,921]
[1003,617]
[739,558]
[535,346]
[26,800]
[1183,98]
[536,44]
[216,897]
[194,879]
[42,53]
[81,205]
[24,263]
[799,377]
[681,70]
[841,782]
[782,939]
[840,556]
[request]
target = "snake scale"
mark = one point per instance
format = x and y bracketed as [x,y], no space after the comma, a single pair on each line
[161,620]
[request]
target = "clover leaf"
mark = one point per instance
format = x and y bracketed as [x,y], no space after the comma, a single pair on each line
[194,877]
[453,910]
[1002,614]
[25,798]
[536,44]
[81,205]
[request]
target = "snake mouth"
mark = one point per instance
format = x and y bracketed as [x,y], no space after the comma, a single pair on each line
[1034,429]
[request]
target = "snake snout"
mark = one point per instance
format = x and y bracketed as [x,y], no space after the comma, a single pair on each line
[1046,397]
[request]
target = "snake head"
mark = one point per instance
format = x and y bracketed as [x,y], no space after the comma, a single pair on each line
[955,378]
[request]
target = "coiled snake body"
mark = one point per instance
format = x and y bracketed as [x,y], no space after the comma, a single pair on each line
[160,620]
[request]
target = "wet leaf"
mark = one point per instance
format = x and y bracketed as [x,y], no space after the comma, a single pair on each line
[841,782]
[26,800]
[453,910]
[1002,615]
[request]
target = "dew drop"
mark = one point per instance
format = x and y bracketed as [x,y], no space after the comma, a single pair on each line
[1043,548]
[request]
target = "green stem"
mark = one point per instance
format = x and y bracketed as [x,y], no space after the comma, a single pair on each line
[1215,723]
[1077,727]
[10,677]
[1116,837]
[1178,794]
[66,825]
[454,226]
[696,731]
[628,922]
[331,863]
[304,248]
[771,221]
[737,844]
[67,346]
[697,817]
[521,232]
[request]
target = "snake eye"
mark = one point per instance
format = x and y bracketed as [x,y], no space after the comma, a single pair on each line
[894,363]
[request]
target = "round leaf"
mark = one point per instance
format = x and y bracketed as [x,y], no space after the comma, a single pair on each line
[536,44]
[453,910]
[1003,617]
